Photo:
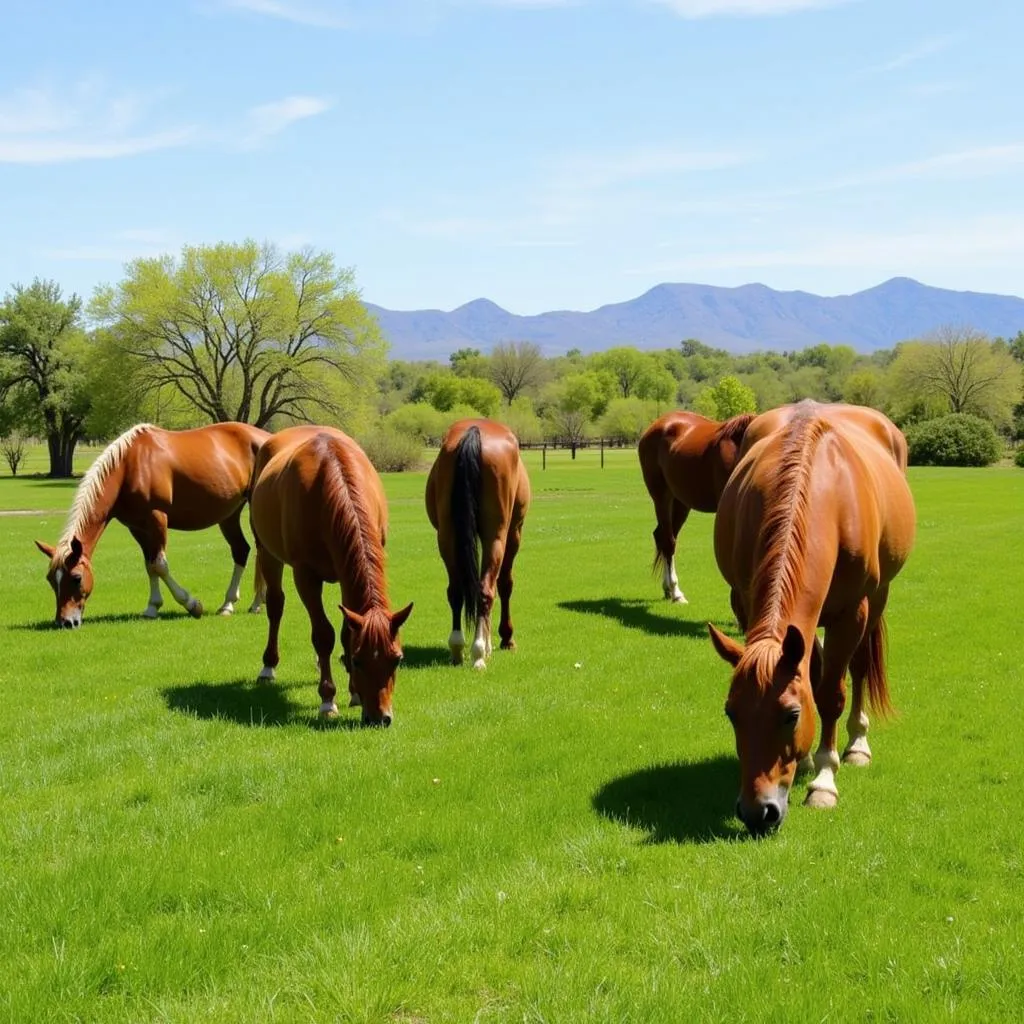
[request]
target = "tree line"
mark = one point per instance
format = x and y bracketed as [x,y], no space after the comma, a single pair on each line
[247,332]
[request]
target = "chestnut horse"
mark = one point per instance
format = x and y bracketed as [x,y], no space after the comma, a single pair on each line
[152,481]
[318,505]
[685,459]
[478,489]
[812,527]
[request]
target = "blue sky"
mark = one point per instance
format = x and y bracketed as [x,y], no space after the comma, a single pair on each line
[543,154]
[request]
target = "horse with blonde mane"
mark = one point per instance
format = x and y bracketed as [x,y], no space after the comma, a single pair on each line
[478,493]
[318,505]
[685,459]
[814,524]
[154,480]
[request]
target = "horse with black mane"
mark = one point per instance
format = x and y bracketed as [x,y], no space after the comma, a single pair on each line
[478,492]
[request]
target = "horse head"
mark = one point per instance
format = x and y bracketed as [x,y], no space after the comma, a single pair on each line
[371,655]
[70,576]
[771,708]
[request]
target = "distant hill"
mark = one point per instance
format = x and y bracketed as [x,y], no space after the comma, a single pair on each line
[742,319]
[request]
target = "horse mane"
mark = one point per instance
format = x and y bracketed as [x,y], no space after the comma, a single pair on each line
[360,550]
[91,485]
[783,540]
[732,429]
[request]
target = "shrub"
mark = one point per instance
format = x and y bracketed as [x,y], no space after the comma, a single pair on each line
[418,420]
[391,451]
[1019,457]
[958,439]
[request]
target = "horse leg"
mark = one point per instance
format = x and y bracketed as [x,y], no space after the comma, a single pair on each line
[493,555]
[310,590]
[806,766]
[231,528]
[157,540]
[515,536]
[670,581]
[272,571]
[857,751]
[156,599]
[841,640]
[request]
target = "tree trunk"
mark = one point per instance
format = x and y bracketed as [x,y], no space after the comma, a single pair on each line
[62,452]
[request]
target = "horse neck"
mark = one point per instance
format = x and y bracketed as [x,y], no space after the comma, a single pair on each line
[88,522]
[794,570]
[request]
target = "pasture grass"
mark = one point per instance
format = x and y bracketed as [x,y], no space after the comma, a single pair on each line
[550,840]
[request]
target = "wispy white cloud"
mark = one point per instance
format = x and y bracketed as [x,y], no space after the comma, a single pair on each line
[269,119]
[744,8]
[120,247]
[980,162]
[604,170]
[981,241]
[926,48]
[313,15]
[44,125]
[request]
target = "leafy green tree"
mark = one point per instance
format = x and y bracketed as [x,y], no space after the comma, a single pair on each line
[627,367]
[523,421]
[43,353]
[469,362]
[243,332]
[958,369]
[729,397]
[516,367]
[865,387]
[626,419]
[444,391]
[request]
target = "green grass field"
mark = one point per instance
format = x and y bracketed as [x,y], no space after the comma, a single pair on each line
[551,840]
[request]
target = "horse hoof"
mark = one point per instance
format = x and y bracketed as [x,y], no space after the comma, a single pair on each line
[195,608]
[857,758]
[226,609]
[456,657]
[151,612]
[255,609]
[480,664]
[329,710]
[822,799]
[266,675]
[508,645]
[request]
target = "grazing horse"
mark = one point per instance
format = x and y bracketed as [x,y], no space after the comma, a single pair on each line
[686,460]
[318,505]
[812,527]
[155,480]
[478,489]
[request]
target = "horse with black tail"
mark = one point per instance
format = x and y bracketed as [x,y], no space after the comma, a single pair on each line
[477,496]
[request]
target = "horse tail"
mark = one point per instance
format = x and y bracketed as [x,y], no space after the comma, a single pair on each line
[657,488]
[259,582]
[466,484]
[878,685]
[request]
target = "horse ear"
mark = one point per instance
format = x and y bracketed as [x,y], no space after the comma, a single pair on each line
[793,648]
[76,553]
[45,548]
[354,619]
[728,649]
[398,619]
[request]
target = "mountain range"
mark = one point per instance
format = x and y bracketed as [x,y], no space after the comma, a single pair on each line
[741,319]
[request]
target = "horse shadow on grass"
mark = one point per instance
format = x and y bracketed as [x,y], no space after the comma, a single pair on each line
[675,803]
[48,625]
[258,705]
[636,613]
[425,656]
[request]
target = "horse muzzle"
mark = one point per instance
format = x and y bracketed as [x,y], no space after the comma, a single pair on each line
[72,621]
[764,816]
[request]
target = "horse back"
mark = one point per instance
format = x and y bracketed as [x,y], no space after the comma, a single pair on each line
[195,477]
[684,450]
[294,498]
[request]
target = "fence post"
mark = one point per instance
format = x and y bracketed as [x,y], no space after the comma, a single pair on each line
[602,453]
[544,456]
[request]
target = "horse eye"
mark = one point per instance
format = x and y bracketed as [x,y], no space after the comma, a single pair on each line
[357,663]
[791,716]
